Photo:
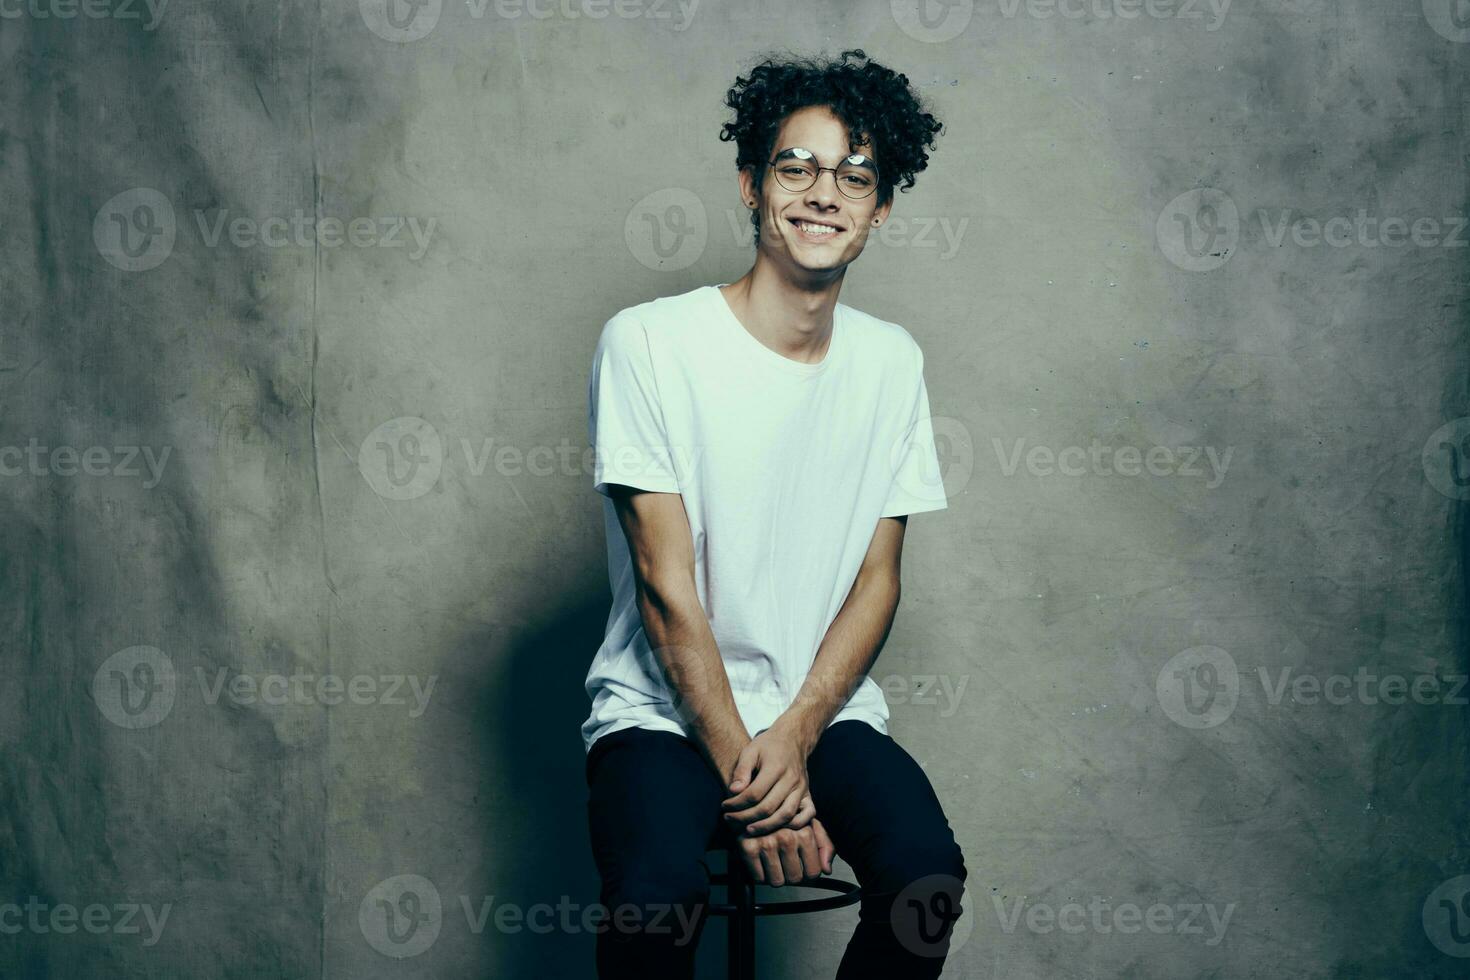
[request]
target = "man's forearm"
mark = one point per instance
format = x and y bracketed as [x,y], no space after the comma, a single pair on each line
[679,633]
[847,652]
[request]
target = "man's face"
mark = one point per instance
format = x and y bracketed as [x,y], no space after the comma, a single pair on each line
[793,223]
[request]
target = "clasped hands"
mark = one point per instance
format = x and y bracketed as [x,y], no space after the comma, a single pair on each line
[772,815]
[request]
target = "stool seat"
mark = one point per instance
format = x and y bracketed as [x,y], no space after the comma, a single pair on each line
[742,909]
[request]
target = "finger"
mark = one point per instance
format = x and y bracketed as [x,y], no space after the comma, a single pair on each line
[750,854]
[775,876]
[773,812]
[824,845]
[744,767]
[804,815]
[769,791]
[757,788]
[755,867]
[780,818]
[792,866]
[811,860]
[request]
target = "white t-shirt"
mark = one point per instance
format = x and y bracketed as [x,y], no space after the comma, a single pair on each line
[784,469]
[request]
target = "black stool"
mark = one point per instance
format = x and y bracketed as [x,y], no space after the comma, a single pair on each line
[742,908]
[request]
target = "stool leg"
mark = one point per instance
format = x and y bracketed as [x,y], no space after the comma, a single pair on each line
[741,894]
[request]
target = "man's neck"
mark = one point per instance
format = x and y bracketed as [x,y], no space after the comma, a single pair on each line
[792,318]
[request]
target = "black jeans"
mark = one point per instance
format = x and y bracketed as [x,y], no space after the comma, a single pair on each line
[654,810]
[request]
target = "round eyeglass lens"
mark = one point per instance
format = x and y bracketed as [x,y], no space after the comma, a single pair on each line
[796,170]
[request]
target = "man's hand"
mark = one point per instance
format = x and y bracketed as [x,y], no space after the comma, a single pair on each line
[786,856]
[770,785]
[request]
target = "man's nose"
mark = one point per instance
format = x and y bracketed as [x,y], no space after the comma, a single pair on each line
[819,193]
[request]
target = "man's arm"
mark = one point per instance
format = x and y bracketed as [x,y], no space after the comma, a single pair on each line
[662,547]
[852,643]
[778,795]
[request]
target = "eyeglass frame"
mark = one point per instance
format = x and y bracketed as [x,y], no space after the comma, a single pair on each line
[868,161]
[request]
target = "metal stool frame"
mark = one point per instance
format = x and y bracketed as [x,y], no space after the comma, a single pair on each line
[742,909]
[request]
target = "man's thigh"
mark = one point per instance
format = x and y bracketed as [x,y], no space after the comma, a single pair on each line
[879,808]
[653,809]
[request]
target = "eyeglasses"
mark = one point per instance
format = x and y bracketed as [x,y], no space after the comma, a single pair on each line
[796,170]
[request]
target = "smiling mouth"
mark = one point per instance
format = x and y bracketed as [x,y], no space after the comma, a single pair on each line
[813,230]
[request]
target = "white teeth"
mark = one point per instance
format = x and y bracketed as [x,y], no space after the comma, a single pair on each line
[812,229]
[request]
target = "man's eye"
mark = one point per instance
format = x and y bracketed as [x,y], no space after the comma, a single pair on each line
[857,180]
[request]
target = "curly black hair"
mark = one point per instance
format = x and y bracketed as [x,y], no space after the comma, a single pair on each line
[868,98]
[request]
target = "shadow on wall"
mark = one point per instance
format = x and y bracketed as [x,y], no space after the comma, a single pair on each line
[533,796]
[533,792]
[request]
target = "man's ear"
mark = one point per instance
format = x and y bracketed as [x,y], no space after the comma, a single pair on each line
[749,196]
[880,213]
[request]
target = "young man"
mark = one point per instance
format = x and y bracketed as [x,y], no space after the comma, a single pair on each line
[759,446]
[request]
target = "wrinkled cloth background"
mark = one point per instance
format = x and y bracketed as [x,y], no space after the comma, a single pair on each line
[368,464]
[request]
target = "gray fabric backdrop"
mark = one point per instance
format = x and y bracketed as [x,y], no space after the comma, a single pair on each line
[302,569]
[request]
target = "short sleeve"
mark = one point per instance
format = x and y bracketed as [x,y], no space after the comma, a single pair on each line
[918,482]
[625,421]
